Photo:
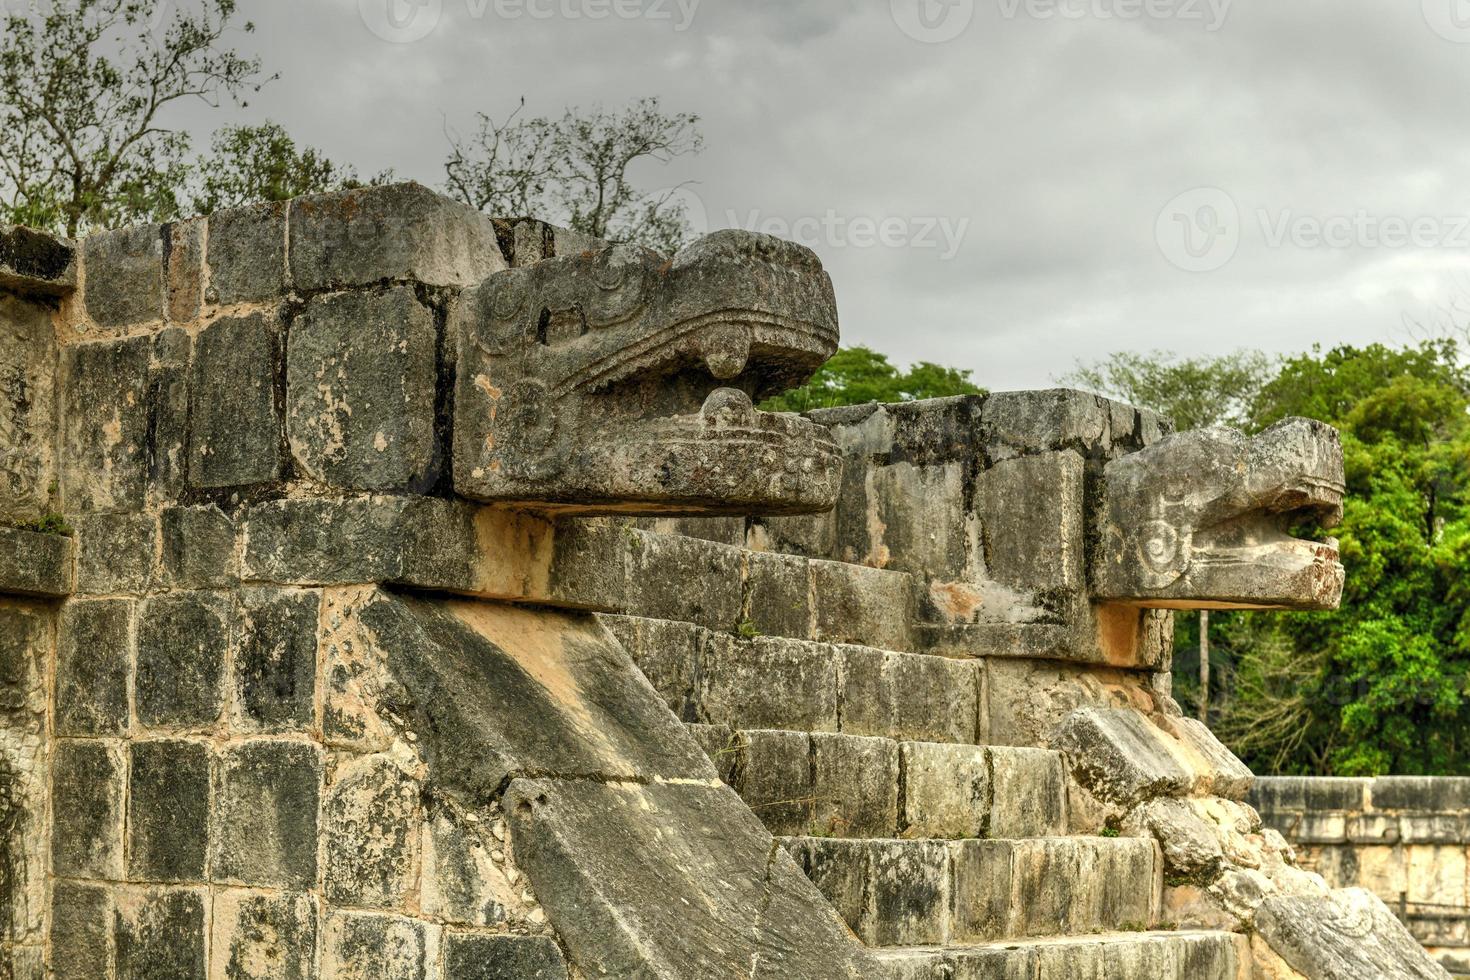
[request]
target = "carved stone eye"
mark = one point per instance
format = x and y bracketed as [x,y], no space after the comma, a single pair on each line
[619,275]
[505,325]
[512,291]
[1160,547]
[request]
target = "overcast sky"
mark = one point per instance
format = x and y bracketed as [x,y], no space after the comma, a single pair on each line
[1001,185]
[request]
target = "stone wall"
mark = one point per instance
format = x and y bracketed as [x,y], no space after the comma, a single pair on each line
[1406,839]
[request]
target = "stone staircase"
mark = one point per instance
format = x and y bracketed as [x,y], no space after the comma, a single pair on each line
[950,857]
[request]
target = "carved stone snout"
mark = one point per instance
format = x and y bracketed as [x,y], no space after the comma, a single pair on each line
[1207,519]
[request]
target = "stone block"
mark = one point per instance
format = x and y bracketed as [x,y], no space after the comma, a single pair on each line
[1025,422]
[104,431]
[168,811]
[28,366]
[464,880]
[725,748]
[87,808]
[866,606]
[670,655]
[160,935]
[1121,756]
[1306,931]
[320,542]
[94,653]
[770,683]
[909,696]
[1031,511]
[683,579]
[363,946]
[35,564]
[854,786]
[199,548]
[247,254]
[183,248]
[775,780]
[168,415]
[910,894]
[116,553]
[370,844]
[921,511]
[256,936]
[1029,790]
[81,927]
[778,595]
[468,957]
[361,375]
[265,815]
[275,665]
[1437,874]
[33,263]
[1218,770]
[1442,794]
[984,888]
[946,790]
[124,276]
[403,231]
[183,644]
[25,661]
[583,845]
[235,421]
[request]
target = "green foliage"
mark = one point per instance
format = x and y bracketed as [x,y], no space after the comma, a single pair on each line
[858,375]
[579,170]
[50,524]
[85,89]
[247,164]
[1193,392]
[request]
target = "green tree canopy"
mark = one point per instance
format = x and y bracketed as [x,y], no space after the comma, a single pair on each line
[858,375]
[247,164]
[1194,392]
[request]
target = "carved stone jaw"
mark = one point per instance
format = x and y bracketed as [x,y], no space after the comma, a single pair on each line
[617,380]
[1204,519]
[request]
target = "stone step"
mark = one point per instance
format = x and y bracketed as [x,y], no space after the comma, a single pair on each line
[1117,956]
[929,892]
[851,786]
[765,682]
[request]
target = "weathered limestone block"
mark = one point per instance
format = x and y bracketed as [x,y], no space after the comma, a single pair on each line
[769,682]
[823,784]
[1195,520]
[124,276]
[683,579]
[198,548]
[25,736]
[370,847]
[87,810]
[35,264]
[733,907]
[160,934]
[235,422]
[468,876]
[28,366]
[360,391]
[369,946]
[264,825]
[104,437]
[909,696]
[470,957]
[33,564]
[81,927]
[1124,757]
[247,254]
[867,606]
[947,790]
[184,642]
[261,936]
[116,553]
[274,683]
[1020,422]
[1032,521]
[615,378]
[183,249]
[920,518]
[1028,792]
[1342,936]
[94,658]
[168,810]
[1028,699]
[392,233]
[778,595]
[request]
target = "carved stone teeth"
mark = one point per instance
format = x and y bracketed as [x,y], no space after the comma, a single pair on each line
[727,401]
[726,350]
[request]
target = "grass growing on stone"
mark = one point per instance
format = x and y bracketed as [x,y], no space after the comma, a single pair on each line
[50,524]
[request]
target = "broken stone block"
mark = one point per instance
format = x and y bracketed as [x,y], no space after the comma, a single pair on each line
[713,900]
[264,824]
[36,264]
[464,882]
[124,275]
[81,925]
[360,391]
[275,665]
[93,657]
[946,790]
[183,643]
[28,366]
[502,958]
[160,934]
[199,548]
[235,424]
[1122,757]
[104,435]
[168,811]
[363,946]
[778,595]
[1029,790]
[1220,772]
[402,231]
[258,936]
[183,247]
[87,808]
[116,553]
[1349,933]
[36,564]
[247,253]
[370,849]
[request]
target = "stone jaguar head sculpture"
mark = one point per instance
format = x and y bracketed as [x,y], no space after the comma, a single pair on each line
[618,379]
[1204,519]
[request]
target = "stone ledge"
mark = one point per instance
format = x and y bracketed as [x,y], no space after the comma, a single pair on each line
[36,264]
[36,564]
